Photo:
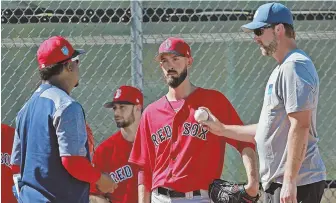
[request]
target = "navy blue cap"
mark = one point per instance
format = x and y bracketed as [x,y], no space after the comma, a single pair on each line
[267,14]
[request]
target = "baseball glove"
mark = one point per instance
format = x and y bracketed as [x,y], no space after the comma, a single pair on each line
[221,191]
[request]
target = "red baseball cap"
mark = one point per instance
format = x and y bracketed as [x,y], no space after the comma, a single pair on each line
[126,95]
[175,46]
[56,50]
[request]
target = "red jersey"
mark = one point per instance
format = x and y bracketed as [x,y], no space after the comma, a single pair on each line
[111,156]
[175,150]
[7,137]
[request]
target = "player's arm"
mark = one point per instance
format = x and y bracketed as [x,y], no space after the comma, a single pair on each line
[144,193]
[297,143]
[237,132]
[99,158]
[249,157]
[71,134]
[142,154]
[299,91]
[228,115]
[247,149]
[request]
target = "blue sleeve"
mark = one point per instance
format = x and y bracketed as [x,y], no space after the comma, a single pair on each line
[16,150]
[70,128]
[299,87]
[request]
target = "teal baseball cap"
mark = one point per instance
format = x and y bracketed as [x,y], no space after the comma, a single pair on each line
[267,14]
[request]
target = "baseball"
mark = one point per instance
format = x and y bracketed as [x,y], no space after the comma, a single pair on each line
[201,115]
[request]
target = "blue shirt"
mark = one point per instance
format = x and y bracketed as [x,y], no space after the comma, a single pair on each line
[51,124]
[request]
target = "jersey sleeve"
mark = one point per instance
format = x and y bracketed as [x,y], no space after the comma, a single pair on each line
[70,130]
[143,151]
[298,87]
[229,116]
[16,149]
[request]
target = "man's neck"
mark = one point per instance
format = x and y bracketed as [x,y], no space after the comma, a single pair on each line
[284,48]
[181,92]
[58,83]
[128,133]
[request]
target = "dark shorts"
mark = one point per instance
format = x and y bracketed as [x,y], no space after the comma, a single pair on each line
[311,193]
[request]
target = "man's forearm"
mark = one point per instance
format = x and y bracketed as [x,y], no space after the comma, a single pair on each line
[242,133]
[144,194]
[297,146]
[250,162]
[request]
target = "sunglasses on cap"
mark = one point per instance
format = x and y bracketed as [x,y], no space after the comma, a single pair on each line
[74,59]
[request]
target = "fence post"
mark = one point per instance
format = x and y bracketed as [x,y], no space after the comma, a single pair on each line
[136,44]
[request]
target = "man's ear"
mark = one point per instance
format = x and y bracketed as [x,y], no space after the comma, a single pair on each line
[139,108]
[280,30]
[68,67]
[190,61]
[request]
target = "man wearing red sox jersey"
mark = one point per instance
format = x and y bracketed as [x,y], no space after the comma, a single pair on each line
[178,158]
[112,155]
[7,137]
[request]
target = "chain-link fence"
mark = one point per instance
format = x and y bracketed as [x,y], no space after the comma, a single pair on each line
[122,38]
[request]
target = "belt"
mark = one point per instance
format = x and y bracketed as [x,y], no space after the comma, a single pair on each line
[172,193]
[272,188]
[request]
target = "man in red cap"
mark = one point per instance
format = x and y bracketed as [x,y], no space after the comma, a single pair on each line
[51,143]
[112,155]
[179,159]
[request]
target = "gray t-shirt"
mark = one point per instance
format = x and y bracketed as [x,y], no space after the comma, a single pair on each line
[292,87]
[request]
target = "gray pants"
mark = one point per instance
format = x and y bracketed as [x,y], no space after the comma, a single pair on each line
[159,198]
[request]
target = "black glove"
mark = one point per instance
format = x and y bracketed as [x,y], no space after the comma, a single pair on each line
[221,191]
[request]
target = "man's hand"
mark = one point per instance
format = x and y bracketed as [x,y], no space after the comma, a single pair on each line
[105,184]
[288,193]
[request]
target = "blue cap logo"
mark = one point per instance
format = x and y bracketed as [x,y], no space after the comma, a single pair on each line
[65,50]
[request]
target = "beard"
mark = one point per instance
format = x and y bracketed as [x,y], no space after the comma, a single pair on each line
[173,81]
[271,48]
[126,122]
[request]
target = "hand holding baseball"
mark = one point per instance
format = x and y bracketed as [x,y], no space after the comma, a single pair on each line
[201,115]
[209,122]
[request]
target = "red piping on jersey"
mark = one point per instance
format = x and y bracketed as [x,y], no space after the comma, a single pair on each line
[15,169]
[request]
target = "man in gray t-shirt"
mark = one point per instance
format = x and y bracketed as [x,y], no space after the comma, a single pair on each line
[291,167]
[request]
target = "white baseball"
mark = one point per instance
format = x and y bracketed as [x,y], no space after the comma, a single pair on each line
[201,115]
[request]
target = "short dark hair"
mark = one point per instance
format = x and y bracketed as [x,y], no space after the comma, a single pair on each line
[289,29]
[49,71]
